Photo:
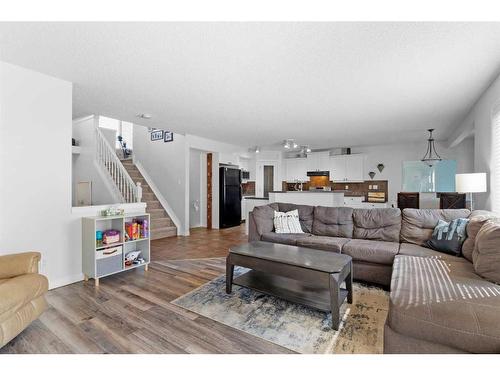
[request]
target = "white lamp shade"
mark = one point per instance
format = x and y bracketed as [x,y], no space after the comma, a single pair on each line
[470,182]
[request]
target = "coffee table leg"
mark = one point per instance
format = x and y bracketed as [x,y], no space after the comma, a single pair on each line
[229,274]
[334,301]
[348,285]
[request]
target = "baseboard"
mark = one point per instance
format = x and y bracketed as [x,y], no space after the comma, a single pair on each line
[63,281]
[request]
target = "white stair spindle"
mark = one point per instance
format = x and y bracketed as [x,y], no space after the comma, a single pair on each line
[107,157]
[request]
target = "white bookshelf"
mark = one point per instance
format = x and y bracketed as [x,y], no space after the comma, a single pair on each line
[108,259]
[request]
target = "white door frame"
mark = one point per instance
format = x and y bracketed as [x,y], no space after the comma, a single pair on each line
[259,176]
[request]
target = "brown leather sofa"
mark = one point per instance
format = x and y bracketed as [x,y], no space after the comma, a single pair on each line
[438,303]
[22,292]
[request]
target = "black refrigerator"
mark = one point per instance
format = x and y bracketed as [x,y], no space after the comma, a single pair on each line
[229,197]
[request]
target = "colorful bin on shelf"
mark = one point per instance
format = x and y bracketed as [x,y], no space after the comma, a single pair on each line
[111,236]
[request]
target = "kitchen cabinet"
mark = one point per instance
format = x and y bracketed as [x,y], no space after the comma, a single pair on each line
[347,168]
[318,161]
[296,169]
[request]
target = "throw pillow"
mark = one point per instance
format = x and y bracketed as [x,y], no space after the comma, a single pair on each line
[449,237]
[486,254]
[287,222]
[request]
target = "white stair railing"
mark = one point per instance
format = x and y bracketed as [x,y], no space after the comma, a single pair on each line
[106,157]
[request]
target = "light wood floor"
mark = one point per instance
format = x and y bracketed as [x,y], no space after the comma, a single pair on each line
[202,243]
[131,312]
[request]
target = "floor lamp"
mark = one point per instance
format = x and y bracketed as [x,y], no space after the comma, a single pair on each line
[470,183]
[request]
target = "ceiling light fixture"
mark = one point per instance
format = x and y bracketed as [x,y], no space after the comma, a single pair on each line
[257,149]
[305,150]
[431,157]
[145,116]
[290,143]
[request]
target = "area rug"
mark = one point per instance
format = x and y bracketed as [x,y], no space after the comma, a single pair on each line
[296,327]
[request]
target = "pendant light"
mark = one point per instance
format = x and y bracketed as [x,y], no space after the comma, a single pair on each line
[431,157]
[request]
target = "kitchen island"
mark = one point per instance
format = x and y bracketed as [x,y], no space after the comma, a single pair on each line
[310,198]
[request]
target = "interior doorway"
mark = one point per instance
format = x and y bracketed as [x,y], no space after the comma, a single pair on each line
[268,179]
[197,189]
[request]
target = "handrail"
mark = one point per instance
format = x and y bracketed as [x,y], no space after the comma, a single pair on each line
[107,158]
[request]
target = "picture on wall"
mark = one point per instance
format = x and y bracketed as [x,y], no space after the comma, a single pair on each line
[168,137]
[156,135]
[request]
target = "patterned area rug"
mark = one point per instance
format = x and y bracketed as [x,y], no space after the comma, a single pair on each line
[296,327]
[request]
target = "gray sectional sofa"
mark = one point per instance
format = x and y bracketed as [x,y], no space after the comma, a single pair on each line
[438,303]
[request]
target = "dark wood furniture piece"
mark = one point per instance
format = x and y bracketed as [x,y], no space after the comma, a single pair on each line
[306,276]
[451,200]
[408,200]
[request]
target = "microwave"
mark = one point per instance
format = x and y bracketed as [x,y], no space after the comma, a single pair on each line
[245,175]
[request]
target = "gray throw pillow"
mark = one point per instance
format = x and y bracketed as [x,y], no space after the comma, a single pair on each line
[449,237]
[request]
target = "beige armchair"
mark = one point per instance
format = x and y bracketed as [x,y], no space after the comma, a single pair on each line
[22,292]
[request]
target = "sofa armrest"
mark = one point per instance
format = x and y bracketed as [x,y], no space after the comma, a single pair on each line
[253,233]
[19,264]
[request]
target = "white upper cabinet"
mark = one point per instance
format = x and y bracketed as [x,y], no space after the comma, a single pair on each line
[354,168]
[347,168]
[318,161]
[337,168]
[312,162]
[342,168]
[296,169]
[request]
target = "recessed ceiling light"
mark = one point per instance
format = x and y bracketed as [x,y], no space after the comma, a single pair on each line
[145,116]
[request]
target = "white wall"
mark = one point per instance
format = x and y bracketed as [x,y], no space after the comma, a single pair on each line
[84,165]
[35,170]
[167,165]
[221,153]
[479,118]
[392,156]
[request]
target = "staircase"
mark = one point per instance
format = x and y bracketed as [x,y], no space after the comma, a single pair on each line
[161,224]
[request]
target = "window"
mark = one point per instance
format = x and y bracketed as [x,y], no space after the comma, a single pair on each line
[495,165]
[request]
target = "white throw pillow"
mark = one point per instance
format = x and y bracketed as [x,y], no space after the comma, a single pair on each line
[287,222]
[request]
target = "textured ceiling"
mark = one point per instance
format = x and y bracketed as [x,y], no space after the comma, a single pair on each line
[324,84]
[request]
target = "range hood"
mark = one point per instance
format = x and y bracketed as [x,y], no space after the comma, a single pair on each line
[318,173]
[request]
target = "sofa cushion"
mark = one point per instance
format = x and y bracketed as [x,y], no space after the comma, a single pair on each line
[284,238]
[382,224]
[411,249]
[323,243]
[445,303]
[477,219]
[332,221]
[486,254]
[418,224]
[371,251]
[449,237]
[263,217]
[20,290]
[306,214]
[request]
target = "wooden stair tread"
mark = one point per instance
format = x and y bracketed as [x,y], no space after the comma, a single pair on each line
[161,224]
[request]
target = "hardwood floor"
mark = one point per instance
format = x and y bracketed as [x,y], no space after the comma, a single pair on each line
[202,243]
[131,312]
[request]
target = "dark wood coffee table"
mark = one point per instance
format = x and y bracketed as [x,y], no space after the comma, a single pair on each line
[306,276]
